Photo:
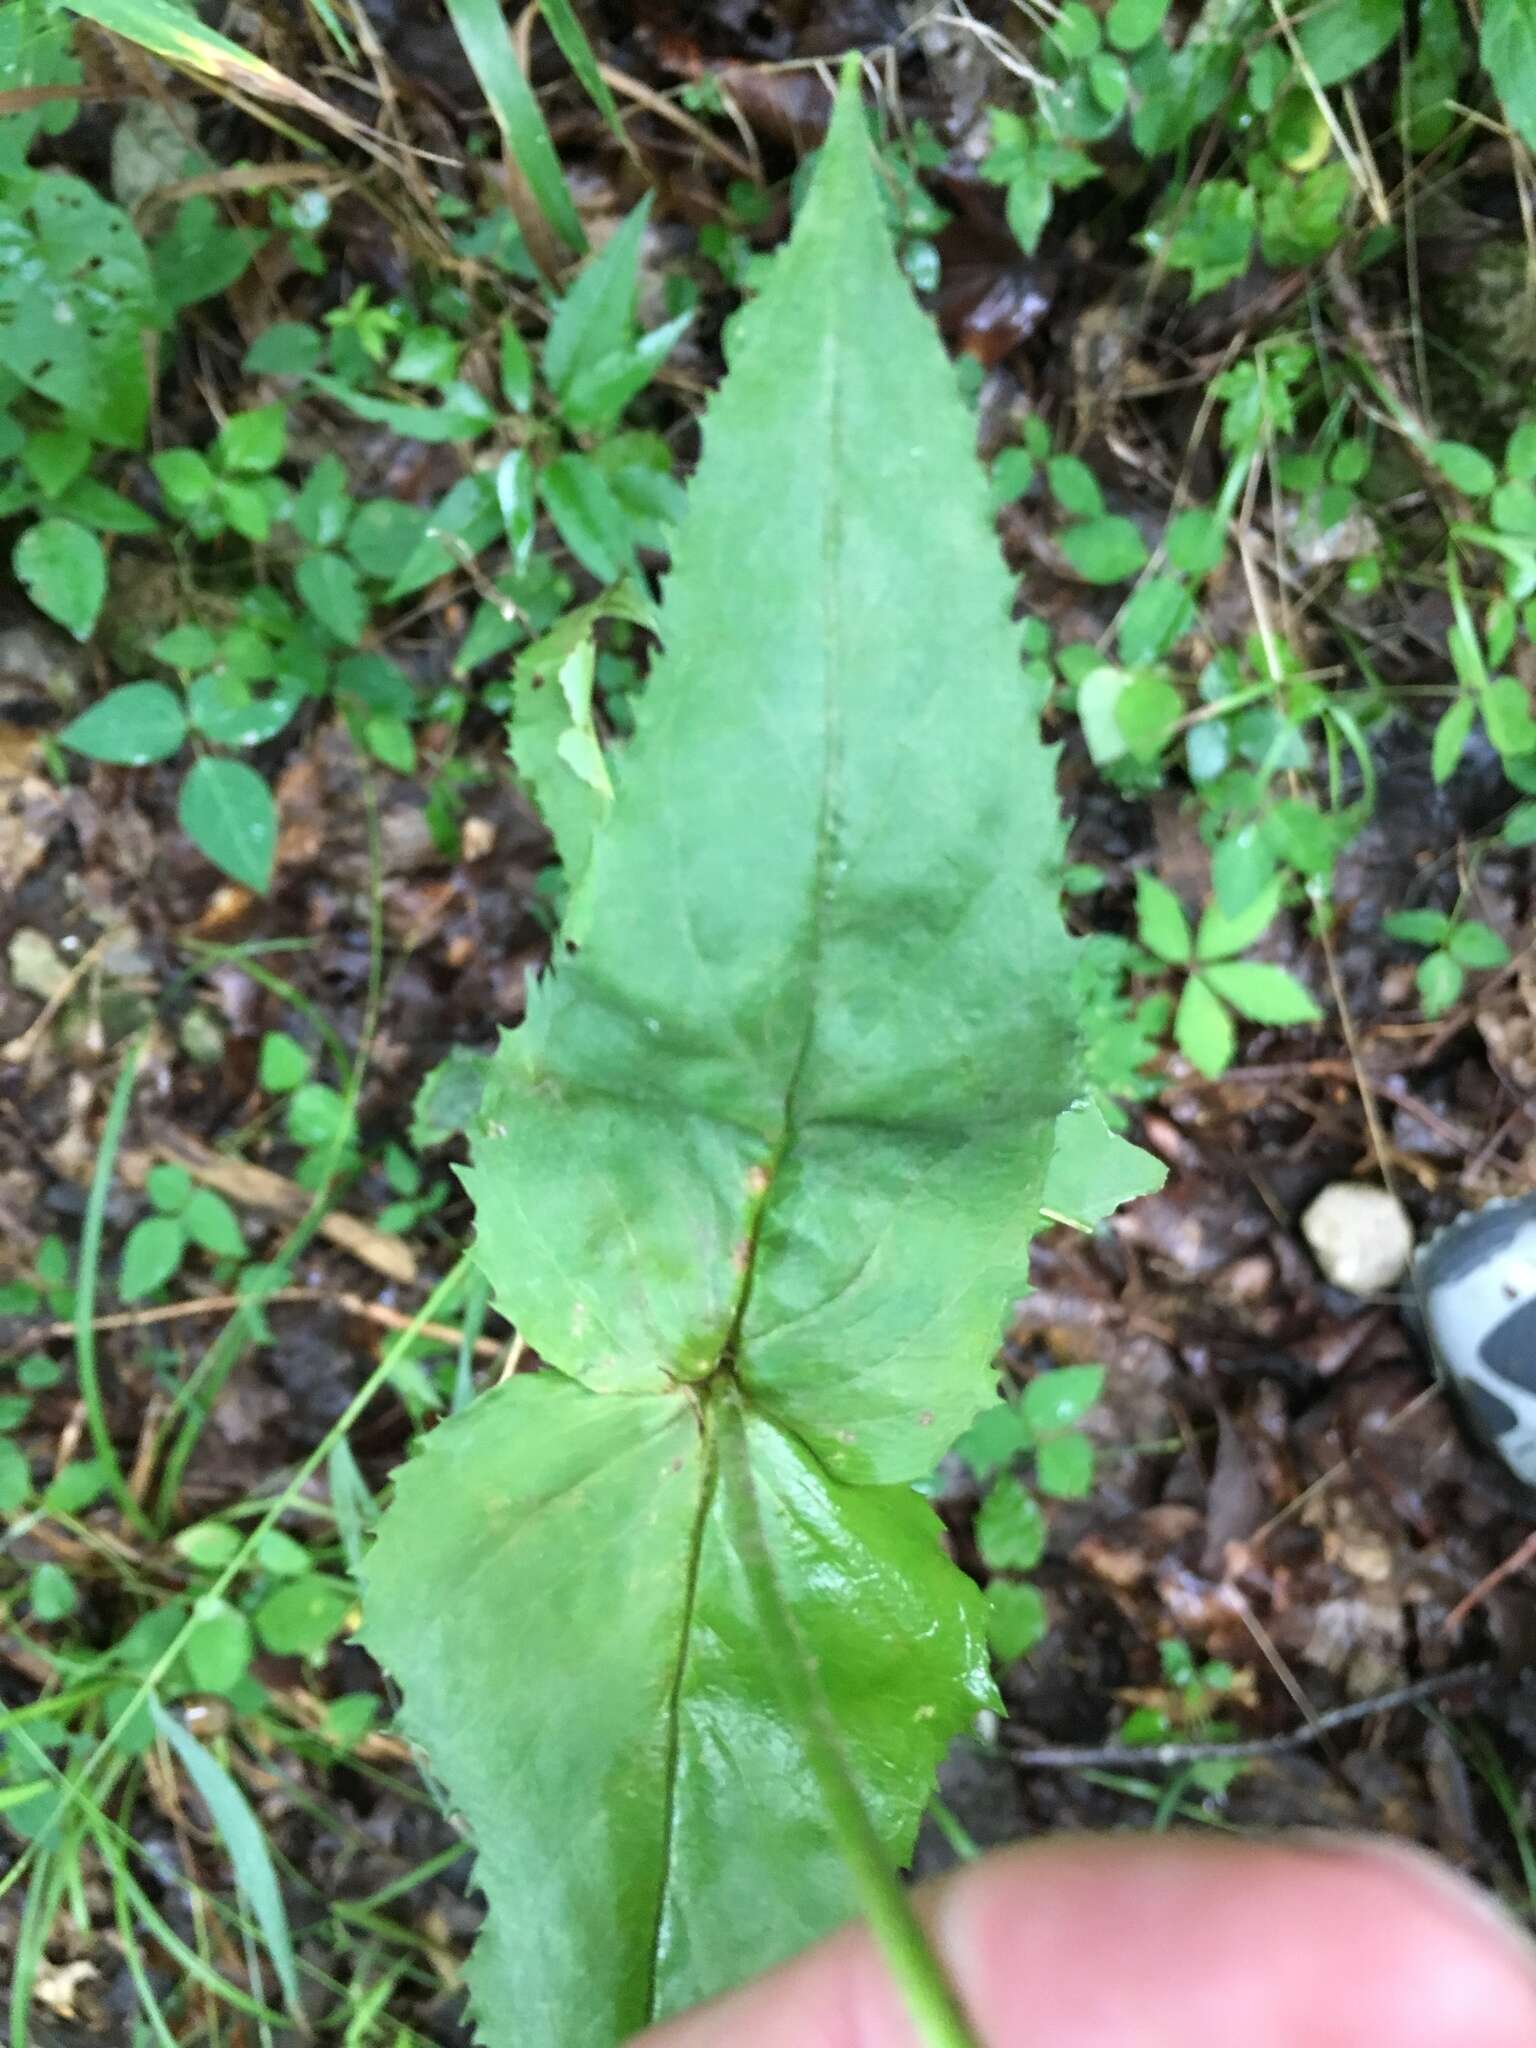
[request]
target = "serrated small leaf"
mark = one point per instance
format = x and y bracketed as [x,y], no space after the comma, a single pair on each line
[283,1063]
[218,1647]
[448,1102]
[1242,866]
[133,724]
[1108,550]
[1467,468]
[1220,936]
[317,1114]
[1131,23]
[1064,1466]
[1451,735]
[208,1545]
[1161,924]
[385,535]
[287,349]
[151,1255]
[995,1438]
[1440,981]
[227,810]
[304,1615]
[184,476]
[15,1476]
[1475,945]
[1160,614]
[1017,1620]
[1263,993]
[328,585]
[390,740]
[1203,1029]
[64,572]
[1010,1529]
[1520,450]
[1195,541]
[253,442]
[1074,486]
[1147,711]
[1417,927]
[51,1593]
[168,1187]
[210,1222]
[1058,1398]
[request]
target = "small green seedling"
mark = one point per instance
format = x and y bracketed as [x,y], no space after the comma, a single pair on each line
[1457,946]
[1011,1527]
[1216,983]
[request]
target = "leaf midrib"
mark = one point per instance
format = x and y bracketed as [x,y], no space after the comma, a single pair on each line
[829,441]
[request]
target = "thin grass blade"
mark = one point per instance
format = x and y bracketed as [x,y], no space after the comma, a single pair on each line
[487,43]
[561,20]
[231,1814]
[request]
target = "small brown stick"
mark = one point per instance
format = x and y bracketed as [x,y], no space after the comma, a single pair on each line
[17,1051]
[225,1304]
[1168,1755]
[1516,1561]
[1324,1480]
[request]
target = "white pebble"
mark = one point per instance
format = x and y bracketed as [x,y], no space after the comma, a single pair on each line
[1360,1236]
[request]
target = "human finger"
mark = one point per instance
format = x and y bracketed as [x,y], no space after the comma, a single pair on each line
[1183,1943]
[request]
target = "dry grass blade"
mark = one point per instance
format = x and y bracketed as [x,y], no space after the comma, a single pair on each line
[170,32]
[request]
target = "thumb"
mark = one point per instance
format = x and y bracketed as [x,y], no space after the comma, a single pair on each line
[1174,1943]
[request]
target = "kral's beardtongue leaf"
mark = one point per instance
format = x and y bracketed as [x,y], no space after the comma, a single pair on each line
[782,1122]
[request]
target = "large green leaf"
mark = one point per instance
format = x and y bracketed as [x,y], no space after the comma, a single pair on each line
[822,958]
[645,1838]
[769,1148]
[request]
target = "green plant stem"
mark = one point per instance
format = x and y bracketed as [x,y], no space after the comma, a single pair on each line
[931,2000]
[85,1289]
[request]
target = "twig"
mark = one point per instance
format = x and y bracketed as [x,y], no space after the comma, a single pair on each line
[1516,1560]
[223,1304]
[17,1051]
[1167,1755]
